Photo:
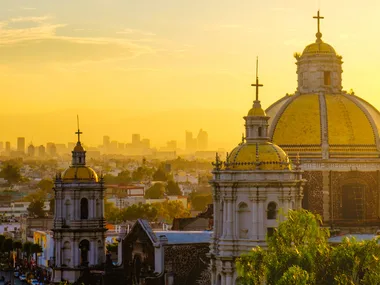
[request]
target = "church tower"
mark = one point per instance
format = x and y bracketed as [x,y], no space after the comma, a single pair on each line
[249,188]
[79,224]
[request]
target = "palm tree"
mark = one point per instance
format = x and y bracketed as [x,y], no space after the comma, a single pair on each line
[27,249]
[17,246]
[8,247]
[36,248]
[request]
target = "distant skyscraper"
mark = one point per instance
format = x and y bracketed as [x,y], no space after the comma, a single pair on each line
[113,147]
[41,151]
[21,145]
[191,143]
[106,142]
[136,140]
[51,149]
[31,150]
[145,143]
[202,140]
[121,146]
[171,145]
[8,147]
[1,145]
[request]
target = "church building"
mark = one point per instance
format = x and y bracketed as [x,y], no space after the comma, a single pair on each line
[256,180]
[336,135]
[79,224]
[331,134]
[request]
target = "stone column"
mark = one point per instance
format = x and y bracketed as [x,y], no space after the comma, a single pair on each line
[229,220]
[255,225]
[75,253]
[261,231]
[94,249]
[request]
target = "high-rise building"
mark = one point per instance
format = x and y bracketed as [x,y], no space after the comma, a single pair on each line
[31,150]
[191,143]
[8,147]
[113,147]
[51,149]
[121,146]
[1,146]
[202,140]
[21,145]
[136,140]
[41,151]
[145,143]
[171,145]
[106,142]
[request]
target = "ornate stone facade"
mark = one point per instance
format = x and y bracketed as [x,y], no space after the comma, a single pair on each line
[249,188]
[336,135]
[79,224]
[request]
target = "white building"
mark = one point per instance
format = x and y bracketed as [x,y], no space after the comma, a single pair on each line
[79,225]
[256,180]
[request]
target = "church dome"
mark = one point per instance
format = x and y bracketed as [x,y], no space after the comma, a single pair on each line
[344,125]
[256,111]
[80,173]
[262,156]
[318,48]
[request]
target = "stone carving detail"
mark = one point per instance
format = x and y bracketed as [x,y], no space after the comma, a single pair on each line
[313,191]
[370,196]
[188,262]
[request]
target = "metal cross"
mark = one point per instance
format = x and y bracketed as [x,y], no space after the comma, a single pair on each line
[78,132]
[318,19]
[257,85]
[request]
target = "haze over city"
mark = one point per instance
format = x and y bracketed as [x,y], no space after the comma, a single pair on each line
[159,68]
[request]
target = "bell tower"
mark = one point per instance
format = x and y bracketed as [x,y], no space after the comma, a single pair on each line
[319,68]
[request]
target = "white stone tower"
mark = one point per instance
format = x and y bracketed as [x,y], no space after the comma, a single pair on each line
[249,188]
[79,224]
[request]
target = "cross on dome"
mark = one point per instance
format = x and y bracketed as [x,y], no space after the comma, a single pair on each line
[257,85]
[78,132]
[318,34]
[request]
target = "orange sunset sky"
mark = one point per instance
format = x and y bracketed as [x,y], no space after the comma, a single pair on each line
[160,67]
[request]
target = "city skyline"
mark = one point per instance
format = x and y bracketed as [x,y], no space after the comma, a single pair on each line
[199,69]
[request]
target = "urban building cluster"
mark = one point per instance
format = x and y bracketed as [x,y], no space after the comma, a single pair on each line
[317,149]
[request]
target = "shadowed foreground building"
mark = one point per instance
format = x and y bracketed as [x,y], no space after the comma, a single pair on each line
[166,257]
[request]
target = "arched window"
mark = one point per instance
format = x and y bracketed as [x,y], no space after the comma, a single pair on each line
[84,209]
[84,247]
[244,220]
[260,131]
[272,211]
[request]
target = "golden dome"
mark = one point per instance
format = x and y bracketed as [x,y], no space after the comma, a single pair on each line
[345,123]
[256,111]
[80,173]
[266,156]
[78,147]
[319,47]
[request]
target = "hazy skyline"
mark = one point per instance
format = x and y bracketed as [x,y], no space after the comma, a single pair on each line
[159,68]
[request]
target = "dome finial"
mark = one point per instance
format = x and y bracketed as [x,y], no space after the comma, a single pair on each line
[318,34]
[78,132]
[257,85]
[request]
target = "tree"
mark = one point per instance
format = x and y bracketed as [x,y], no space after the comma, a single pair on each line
[27,249]
[35,249]
[155,192]
[168,210]
[11,173]
[172,188]
[199,201]
[36,209]
[8,246]
[298,253]
[141,173]
[160,175]
[2,239]
[46,185]
[17,245]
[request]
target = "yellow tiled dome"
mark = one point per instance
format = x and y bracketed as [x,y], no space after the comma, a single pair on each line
[80,173]
[256,111]
[318,47]
[347,123]
[262,156]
